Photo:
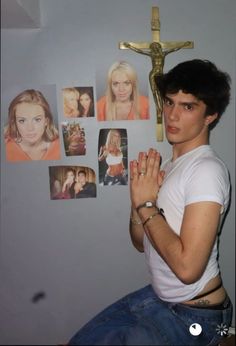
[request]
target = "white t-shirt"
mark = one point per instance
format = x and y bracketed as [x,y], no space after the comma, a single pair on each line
[196,176]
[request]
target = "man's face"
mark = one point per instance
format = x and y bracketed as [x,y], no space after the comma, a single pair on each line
[81,178]
[185,118]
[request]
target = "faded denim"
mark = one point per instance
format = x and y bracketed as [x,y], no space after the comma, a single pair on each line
[141,318]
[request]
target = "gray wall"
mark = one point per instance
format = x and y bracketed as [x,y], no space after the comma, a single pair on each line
[78,251]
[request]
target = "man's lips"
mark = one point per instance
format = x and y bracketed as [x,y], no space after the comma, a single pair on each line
[172,129]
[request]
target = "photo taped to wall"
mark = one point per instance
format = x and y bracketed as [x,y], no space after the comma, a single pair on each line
[31,131]
[72,182]
[113,157]
[73,138]
[121,98]
[78,102]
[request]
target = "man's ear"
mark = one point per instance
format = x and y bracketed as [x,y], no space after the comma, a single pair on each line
[211,118]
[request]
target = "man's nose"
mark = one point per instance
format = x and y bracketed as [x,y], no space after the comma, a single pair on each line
[173,113]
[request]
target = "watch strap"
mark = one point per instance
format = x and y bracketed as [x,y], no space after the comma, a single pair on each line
[147,204]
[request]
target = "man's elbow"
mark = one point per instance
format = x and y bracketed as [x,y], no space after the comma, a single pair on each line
[189,276]
[140,249]
[138,246]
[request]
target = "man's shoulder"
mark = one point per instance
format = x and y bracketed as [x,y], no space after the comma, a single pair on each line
[90,185]
[209,159]
[201,164]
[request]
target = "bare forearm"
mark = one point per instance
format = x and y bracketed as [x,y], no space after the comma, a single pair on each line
[163,239]
[136,230]
[197,237]
[167,243]
[64,187]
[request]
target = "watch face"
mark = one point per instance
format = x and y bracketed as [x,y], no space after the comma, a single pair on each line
[149,204]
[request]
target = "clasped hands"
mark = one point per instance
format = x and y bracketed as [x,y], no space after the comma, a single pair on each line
[145,177]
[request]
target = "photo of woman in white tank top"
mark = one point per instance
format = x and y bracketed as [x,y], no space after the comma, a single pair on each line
[113,157]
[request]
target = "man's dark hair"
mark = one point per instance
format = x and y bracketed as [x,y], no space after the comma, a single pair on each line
[200,78]
[82,172]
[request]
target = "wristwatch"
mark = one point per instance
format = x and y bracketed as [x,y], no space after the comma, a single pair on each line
[147,204]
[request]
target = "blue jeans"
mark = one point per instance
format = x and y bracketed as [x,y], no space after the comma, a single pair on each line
[141,318]
[116,180]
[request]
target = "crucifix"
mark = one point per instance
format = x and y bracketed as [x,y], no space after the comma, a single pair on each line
[157,50]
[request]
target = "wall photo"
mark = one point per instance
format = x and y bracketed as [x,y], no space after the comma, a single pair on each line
[121,99]
[64,259]
[31,131]
[72,182]
[78,102]
[113,157]
[73,138]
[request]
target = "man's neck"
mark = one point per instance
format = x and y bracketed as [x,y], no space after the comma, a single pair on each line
[180,149]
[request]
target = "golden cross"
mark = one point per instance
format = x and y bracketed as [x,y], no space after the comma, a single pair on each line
[157,51]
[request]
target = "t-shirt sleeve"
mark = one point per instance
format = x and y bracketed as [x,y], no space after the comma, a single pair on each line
[208,180]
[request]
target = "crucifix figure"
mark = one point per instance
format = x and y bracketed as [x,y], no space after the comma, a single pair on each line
[157,51]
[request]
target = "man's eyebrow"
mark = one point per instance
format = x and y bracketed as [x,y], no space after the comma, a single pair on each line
[167,98]
[184,103]
[187,103]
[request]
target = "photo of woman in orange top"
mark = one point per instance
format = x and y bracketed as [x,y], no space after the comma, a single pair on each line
[122,100]
[112,157]
[30,133]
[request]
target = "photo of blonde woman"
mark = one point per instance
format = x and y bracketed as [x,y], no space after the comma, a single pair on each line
[71,102]
[122,99]
[112,157]
[30,133]
[74,139]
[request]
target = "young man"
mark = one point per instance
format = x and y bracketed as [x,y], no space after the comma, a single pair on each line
[176,214]
[83,188]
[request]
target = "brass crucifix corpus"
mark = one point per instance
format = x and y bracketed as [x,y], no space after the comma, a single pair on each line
[157,51]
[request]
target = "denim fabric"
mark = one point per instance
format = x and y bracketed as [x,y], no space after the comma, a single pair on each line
[141,318]
[116,180]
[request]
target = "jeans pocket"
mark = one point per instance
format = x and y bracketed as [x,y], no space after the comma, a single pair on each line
[199,325]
